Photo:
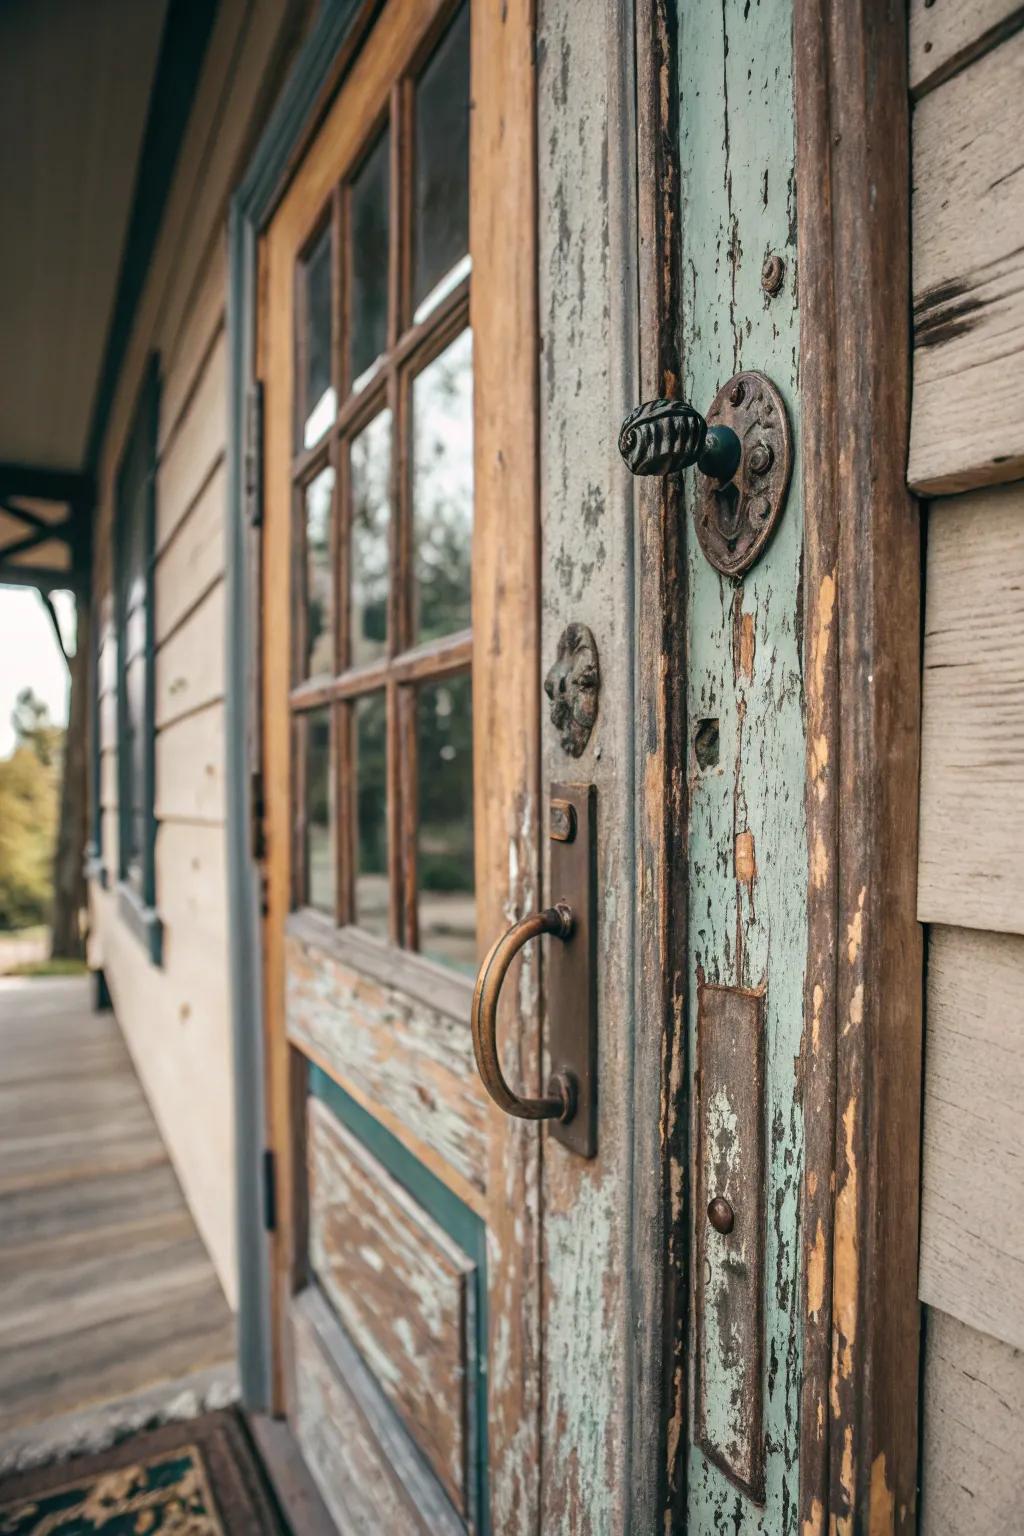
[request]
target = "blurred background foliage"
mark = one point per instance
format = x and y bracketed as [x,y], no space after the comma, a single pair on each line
[30,780]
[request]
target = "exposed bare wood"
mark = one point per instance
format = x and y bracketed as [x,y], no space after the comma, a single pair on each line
[972,768]
[944,37]
[972,1217]
[401,1288]
[967,428]
[402,1056]
[972,1461]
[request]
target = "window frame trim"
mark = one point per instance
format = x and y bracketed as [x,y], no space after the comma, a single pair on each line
[138,907]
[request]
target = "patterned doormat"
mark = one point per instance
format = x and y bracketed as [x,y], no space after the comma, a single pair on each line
[197,1478]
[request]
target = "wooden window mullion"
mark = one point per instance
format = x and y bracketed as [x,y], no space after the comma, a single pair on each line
[346,842]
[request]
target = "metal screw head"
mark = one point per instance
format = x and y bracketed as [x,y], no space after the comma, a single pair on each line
[761,458]
[736,393]
[720,1215]
[772,273]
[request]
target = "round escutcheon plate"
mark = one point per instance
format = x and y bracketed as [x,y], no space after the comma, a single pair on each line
[735,519]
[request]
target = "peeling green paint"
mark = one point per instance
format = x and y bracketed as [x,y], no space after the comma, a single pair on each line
[747,899]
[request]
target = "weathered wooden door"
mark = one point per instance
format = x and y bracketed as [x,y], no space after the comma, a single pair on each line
[400,689]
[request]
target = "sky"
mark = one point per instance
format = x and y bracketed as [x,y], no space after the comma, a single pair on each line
[29,657]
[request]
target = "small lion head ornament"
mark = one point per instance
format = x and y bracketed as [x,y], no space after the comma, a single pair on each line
[573,685]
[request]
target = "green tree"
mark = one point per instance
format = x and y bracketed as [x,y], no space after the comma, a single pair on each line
[29,794]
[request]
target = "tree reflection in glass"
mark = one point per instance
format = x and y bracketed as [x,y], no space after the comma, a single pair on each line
[442,490]
[319,576]
[371,473]
[444,850]
[319,827]
[371,875]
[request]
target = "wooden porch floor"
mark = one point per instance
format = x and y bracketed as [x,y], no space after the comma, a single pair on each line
[106,1292]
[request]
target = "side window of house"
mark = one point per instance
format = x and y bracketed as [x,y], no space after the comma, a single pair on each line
[134,543]
[383,507]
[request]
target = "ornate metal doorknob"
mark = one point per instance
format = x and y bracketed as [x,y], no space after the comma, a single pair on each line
[744,455]
[664,437]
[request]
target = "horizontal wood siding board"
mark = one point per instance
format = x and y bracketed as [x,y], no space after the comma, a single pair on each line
[947,36]
[413,1061]
[402,1289]
[364,1468]
[199,328]
[198,447]
[971,870]
[190,768]
[194,558]
[972,1217]
[967,425]
[190,665]
[972,1455]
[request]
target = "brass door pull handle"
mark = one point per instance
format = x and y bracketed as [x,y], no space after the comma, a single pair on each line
[560,1100]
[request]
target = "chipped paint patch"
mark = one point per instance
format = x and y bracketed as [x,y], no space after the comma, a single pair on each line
[746,864]
[816,1273]
[855,929]
[814,1525]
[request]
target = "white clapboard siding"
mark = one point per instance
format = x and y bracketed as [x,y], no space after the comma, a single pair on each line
[972,1459]
[194,559]
[191,875]
[197,448]
[972,750]
[946,34]
[190,665]
[967,421]
[972,1201]
[190,768]
[183,361]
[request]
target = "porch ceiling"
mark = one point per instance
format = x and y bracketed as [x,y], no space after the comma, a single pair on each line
[75,84]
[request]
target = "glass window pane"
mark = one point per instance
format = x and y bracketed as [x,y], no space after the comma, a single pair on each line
[371,873]
[444,843]
[442,489]
[319,829]
[319,503]
[441,175]
[370,457]
[319,397]
[368,313]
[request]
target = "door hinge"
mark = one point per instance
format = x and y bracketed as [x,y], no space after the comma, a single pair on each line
[257,816]
[254,454]
[269,1191]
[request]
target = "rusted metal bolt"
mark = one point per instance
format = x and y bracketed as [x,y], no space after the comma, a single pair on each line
[772,273]
[720,1215]
[761,458]
[736,393]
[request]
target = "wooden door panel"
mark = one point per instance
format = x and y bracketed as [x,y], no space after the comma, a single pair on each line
[403,1290]
[407,1238]
[367,1470]
[409,1064]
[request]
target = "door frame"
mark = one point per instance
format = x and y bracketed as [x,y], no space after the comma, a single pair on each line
[862,588]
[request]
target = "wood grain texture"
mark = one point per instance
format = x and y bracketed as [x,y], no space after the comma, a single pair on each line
[190,768]
[360,1459]
[190,664]
[967,427]
[947,34]
[402,1289]
[660,1103]
[392,1052]
[862,1023]
[971,869]
[84,1177]
[972,1466]
[972,1216]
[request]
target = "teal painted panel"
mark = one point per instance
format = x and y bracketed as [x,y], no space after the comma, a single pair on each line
[452,1214]
[748,921]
